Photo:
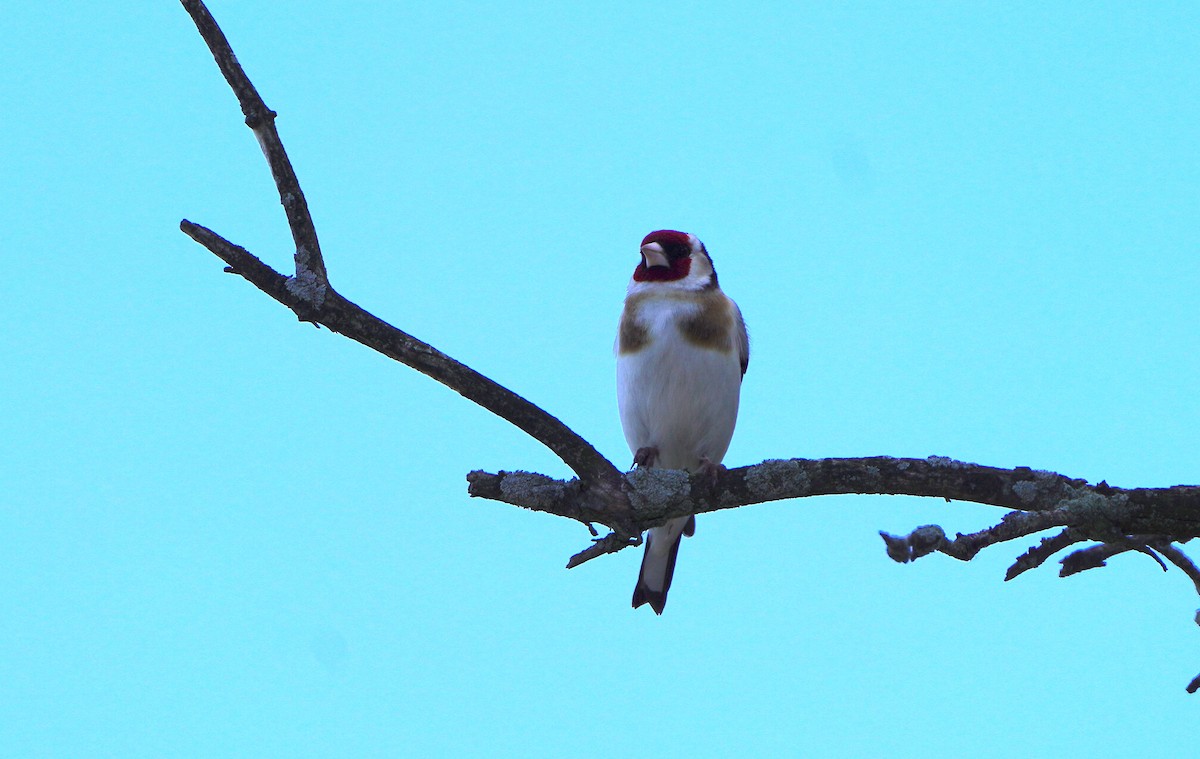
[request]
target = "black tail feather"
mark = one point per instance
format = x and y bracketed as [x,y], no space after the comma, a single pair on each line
[642,593]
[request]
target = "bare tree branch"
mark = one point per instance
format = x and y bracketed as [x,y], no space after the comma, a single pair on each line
[309,295]
[1148,520]
[1052,500]
[629,503]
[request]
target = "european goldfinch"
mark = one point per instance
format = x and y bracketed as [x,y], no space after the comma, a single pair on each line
[681,353]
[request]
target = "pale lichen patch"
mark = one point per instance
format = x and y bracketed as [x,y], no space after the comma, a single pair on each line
[306,285]
[944,461]
[1025,490]
[1094,510]
[656,490]
[778,475]
[531,490]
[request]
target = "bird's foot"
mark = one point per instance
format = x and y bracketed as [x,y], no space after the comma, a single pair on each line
[709,471]
[645,456]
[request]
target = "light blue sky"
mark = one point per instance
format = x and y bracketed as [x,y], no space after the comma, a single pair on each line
[963,231]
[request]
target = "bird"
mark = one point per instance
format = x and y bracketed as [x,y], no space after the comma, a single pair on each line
[681,353]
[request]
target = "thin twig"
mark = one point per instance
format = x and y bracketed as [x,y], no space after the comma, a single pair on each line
[1177,557]
[1181,560]
[610,543]
[1094,557]
[930,538]
[1037,555]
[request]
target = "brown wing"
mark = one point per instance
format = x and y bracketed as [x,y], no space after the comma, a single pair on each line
[743,338]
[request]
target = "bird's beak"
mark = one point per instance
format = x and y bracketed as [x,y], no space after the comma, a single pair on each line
[653,255]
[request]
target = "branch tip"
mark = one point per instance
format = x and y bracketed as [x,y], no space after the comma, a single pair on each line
[920,542]
[610,543]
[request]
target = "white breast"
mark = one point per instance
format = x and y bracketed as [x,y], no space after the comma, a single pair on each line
[674,395]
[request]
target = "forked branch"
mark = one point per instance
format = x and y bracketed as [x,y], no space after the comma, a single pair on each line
[308,293]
